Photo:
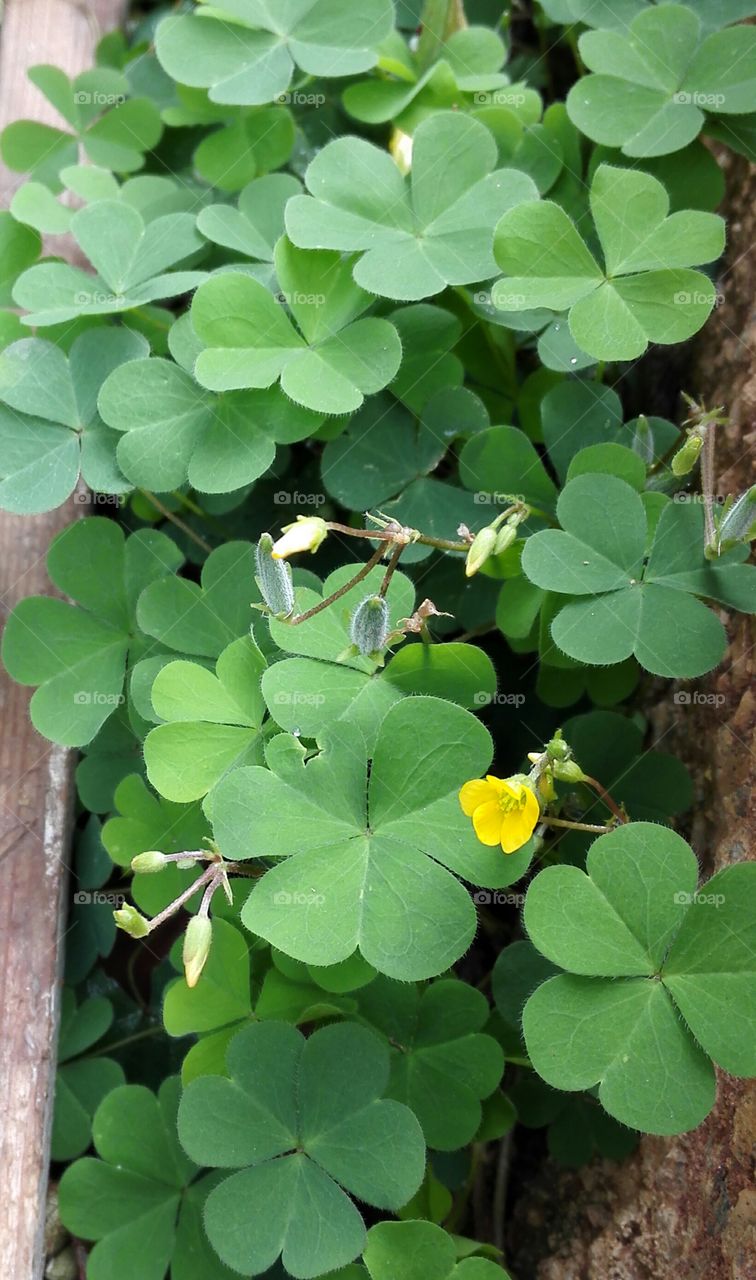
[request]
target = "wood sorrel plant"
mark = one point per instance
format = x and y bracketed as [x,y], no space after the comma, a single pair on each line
[349,359]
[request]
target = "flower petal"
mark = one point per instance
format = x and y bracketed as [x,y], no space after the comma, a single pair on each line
[487,823]
[519,824]
[474,794]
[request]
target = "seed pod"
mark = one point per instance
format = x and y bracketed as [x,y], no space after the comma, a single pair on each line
[568,771]
[145,863]
[130,920]
[197,940]
[370,626]
[687,456]
[481,548]
[274,579]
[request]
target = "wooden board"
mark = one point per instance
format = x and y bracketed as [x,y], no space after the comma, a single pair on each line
[35,777]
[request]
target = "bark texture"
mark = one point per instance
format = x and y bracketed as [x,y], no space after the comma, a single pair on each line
[685,1208]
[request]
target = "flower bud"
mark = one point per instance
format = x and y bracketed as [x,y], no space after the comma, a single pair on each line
[504,539]
[687,456]
[132,923]
[568,771]
[643,439]
[145,863]
[273,579]
[737,523]
[197,940]
[481,549]
[557,748]
[305,534]
[370,625]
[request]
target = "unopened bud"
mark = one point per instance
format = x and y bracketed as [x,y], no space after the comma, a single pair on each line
[568,771]
[483,546]
[130,920]
[687,456]
[305,534]
[370,626]
[504,539]
[643,439]
[197,940]
[145,863]
[738,523]
[273,579]
[557,748]
[545,786]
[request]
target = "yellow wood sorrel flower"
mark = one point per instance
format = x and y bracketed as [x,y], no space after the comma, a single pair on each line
[503,810]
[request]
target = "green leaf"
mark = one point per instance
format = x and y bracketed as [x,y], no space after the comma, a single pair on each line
[50,431]
[322,1097]
[461,673]
[131,258]
[329,364]
[251,58]
[81,1083]
[636,935]
[259,140]
[381,451]
[644,293]
[500,462]
[212,721]
[421,1251]
[203,619]
[442,1065]
[414,235]
[257,222]
[78,655]
[222,994]
[655,81]
[382,884]
[175,431]
[19,248]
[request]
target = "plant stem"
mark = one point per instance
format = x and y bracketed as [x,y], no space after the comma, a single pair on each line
[364,571]
[174,519]
[393,562]
[439,19]
[575,826]
[607,799]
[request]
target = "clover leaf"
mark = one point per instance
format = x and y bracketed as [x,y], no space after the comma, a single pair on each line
[203,618]
[643,293]
[469,63]
[19,248]
[114,129]
[304,1123]
[328,363]
[577,1127]
[243,55]
[131,259]
[652,785]
[367,856]
[174,431]
[422,1251]
[380,452]
[634,605]
[212,721]
[253,141]
[50,431]
[656,80]
[141,1201]
[81,1082]
[254,226]
[91,928]
[641,945]
[415,235]
[77,655]
[442,1065]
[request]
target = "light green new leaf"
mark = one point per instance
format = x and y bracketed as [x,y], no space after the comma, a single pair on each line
[175,431]
[378,875]
[50,431]
[418,234]
[631,607]
[320,1101]
[656,80]
[328,363]
[442,1065]
[640,943]
[212,721]
[422,1251]
[254,226]
[644,293]
[245,56]
[131,258]
[78,655]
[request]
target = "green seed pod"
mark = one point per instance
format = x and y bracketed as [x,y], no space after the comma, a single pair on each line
[130,920]
[274,579]
[568,771]
[687,456]
[144,863]
[370,626]
[481,548]
[504,539]
[197,940]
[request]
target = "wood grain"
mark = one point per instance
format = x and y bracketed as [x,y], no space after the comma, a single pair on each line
[35,777]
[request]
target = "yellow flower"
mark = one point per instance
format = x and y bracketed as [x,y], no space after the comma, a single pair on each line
[305,534]
[503,810]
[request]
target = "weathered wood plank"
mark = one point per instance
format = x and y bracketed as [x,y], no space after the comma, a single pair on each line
[35,777]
